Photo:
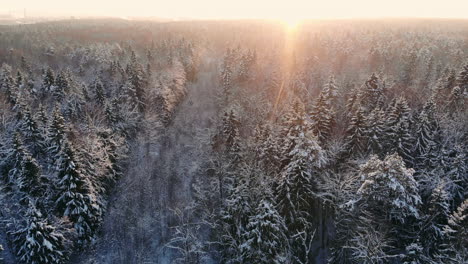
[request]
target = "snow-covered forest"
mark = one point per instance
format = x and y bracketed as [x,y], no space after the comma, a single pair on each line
[234,142]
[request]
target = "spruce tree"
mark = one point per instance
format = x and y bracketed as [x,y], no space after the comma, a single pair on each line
[356,134]
[266,236]
[57,130]
[454,249]
[296,194]
[398,137]
[39,241]
[48,81]
[322,116]
[230,132]
[14,159]
[33,135]
[62,84]
[99,92]
[389,189]
[235,218]
[293,125]
[372,93]
[74,199]
[462,79]
[375,130]
[31,181]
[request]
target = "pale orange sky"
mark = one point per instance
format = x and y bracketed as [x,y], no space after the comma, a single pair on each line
[223,9]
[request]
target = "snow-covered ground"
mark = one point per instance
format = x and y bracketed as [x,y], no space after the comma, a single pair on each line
[161,167]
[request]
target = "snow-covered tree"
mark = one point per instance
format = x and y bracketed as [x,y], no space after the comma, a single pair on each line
[372,93]
[267,242]
[74,198]
[375,130]
[230,134]
[294,124]
[62,84]
[31,181]
[322,113]
[39,242]
[296,193]
[57,130]
[356,134]
[389,188]
[31,131]
[235,218]
[99,95]
[48,81]
[398,136]
[456,233]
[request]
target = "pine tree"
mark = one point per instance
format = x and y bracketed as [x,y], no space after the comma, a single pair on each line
[62,84]
[296,193]
[389,188]
[8,84]
[31,131]
[375,129]
[297,188]
[48,81]
[226,80]
[267,149]
[74,200]
[410,63]
[24,65]
[99,92]
[372,93]
[322,114]
[42,119]
[137,79]
[31,181]
[356,134]
[266,236]
[456,233]
[235,218]
[435,219]
[15,158]
[19,80]
[293,125]
[57,130]
[456,100]
[425,138]
[398,136]
[39,242]
[462,79]
[230,132]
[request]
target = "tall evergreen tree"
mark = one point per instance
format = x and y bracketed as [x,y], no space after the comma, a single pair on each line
[375,130]
[31,181]
[356,134]
[266,236]
[398,134]
[99,92]
[57,130]
[74,199]
[62,84]
[389,188]
[322,114]
[39,241]
[235,218]
[48,81]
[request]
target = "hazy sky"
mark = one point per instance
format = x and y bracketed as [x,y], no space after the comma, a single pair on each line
[271,9]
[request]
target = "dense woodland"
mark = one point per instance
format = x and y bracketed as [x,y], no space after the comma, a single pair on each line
[234,142]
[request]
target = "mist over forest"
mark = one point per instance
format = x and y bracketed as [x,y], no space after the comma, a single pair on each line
[234,141]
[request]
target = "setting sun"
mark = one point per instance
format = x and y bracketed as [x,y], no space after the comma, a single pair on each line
[291,23]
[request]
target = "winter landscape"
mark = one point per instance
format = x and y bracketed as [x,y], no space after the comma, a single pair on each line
[263,136]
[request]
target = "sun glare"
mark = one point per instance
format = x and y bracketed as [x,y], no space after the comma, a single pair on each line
[291,23]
